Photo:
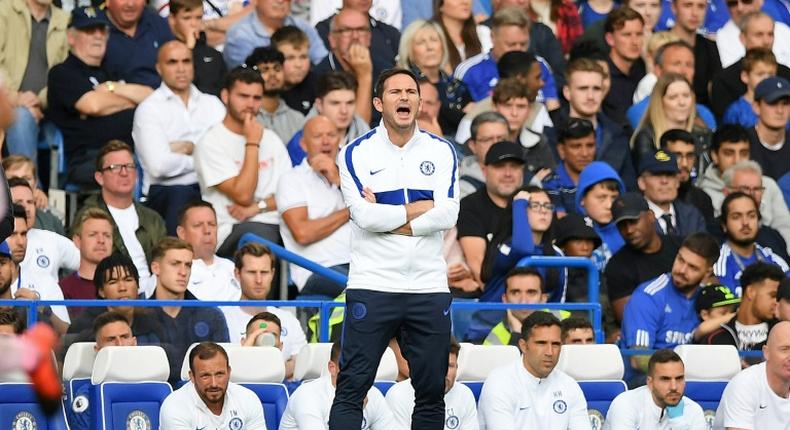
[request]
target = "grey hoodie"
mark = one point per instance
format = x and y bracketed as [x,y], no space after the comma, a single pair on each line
[773,208]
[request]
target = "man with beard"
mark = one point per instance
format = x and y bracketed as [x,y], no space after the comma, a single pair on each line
[239,164]
[209,398]
[740,219]
[660,404]
[680,143]
[660,313]
[167,125]
[275,114]
[646,253]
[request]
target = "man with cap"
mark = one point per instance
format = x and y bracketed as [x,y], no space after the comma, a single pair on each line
[483,211]
[576,239]
[646,254]
[769,136]
[87,105]
[658,181]
[748,329]
[740,221]
[783,300]
[576,149]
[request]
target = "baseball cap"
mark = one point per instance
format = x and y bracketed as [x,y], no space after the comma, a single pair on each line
[715,295]
[628,206]
[659,162]
[573,226]
[772,89]
[4,249]
[503,151]
[86,17]
[784,290]
[575,128]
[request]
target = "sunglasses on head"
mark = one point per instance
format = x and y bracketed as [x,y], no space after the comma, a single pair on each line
[734,3]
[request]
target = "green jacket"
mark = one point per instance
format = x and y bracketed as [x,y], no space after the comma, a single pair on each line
[335,321]
[15,28]
[149,233]
[501,334]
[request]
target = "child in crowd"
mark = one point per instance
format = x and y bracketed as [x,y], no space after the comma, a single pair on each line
[300,81]
[576,239]
[758,64]
[599,186]
[715,306]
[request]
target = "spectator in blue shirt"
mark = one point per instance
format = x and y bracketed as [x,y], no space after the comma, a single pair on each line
[661,312]
[256,28]
[136,33]
[758,64]
[740,221]
[171,262]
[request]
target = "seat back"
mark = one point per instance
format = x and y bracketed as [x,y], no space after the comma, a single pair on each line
[311,361]
[19,409]
[185,362]
[599,371]
[708,368]
[274,398]
[262,370]
[77,367]
[475,362]
[129,384]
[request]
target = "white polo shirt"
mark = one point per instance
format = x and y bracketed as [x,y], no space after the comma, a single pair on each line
[215,282]
[184,409]
[163,118]
[219,156]
[460,408]
[304,187]
[45,287]
[514,399]
[291,333]
[749,403]
[47,252]
[636,409]
[308,408]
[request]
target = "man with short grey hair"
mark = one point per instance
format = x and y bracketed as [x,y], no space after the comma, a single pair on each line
[732,39]
[487,129]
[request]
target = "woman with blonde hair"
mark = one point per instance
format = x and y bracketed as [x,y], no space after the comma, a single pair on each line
[672,106]
[423,50]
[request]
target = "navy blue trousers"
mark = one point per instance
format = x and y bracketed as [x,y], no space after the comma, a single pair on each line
[421,325]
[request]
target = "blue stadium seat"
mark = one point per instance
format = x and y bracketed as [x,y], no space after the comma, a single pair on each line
[708,370]
[475,362]
[19,409]
[77,368]
[264,380]
[127,394]
[599,371]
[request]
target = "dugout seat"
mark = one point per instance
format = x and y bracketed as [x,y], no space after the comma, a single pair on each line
[599,371]
[129,384]
[475,362]
[19,406]
[77,368]
[262,370]
[708,370]
[311,361]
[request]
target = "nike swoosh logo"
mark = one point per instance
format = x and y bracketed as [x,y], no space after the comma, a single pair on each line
[373,172]
[763,406]
[446,311]
[207,60]
[523,408]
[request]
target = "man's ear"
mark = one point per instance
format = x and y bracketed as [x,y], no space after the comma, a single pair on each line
[377,104]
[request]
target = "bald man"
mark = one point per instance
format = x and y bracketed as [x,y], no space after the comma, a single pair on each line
[313,216]
[759,396]
[166,126]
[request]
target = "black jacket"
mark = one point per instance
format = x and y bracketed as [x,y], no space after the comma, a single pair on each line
[210,68]
[688,220]
[727,87]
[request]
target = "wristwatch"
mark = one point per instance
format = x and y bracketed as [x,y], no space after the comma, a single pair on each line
[263,206]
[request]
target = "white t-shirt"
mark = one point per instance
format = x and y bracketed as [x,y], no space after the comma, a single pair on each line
[128,222]
[514,399]
[303,187]
[215,282]
[291,333]
[47,252]
[636,409]
[308,408]
[46,287]
[183,409]
[460,409]
[219,156]
[749,403]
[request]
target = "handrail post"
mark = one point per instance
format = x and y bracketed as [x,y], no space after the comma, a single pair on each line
[593,282]
[32,312]
[325,312]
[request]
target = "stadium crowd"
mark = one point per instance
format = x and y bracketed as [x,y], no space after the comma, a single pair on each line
[647,136]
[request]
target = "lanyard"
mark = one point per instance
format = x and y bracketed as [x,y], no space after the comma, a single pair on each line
[738,261]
